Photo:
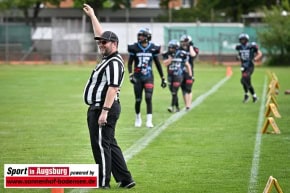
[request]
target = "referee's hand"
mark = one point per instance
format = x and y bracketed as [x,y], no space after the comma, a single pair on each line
[88,10]
[103,118]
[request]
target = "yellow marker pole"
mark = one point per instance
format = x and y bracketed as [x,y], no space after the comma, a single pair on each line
[272,108]
[272,181]
[271,121]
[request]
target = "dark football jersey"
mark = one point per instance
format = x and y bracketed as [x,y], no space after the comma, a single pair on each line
[191,59]
[177,65]
[143,58]
[247,53]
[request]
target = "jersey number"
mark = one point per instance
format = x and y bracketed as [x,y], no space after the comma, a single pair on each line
[143,61]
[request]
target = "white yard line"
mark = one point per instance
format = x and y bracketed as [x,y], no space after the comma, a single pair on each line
[256,155]
[143,142]
[152,134]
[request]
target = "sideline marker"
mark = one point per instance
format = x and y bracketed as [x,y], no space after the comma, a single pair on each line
[229,71]
[57,190]
[272,181]
[274,76]
[270,121]
[271,99]
[270,76]
[272,108]
[273,87]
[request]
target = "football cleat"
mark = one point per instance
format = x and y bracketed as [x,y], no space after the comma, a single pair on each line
[170,109]
[177,109]
[255,99]
[149,124]
[246,98]
[149,121]
[138,121]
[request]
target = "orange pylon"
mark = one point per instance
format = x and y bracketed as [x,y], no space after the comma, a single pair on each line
[229,71]
[57,190]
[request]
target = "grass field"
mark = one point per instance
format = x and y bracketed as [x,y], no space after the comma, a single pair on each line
[208,150]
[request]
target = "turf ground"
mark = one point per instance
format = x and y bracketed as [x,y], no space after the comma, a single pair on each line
[208,150]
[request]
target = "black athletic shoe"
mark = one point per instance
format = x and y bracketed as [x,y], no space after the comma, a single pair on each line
[246,98]
[126,184]
[255,99]
[170,109]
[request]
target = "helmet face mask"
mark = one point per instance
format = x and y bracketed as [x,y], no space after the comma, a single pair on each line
[244,38]
[173,46]
[144,35]
[184,41]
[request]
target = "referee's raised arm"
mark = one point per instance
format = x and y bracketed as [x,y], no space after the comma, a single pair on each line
[95,22]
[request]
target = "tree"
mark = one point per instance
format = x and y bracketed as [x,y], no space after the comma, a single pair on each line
[210,11]
[276,38]
[25,5]
[100,4]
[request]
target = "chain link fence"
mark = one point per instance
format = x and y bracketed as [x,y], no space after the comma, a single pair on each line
[65,41]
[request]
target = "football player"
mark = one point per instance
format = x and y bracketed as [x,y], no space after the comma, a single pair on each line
[186,86]
[142,53]
[176,61]
[248,53]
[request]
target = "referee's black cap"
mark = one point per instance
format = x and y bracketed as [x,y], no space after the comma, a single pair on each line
[109,36]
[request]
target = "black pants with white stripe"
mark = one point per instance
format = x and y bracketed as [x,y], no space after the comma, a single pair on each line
[105,149]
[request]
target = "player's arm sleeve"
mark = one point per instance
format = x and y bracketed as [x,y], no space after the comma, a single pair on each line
[157,61]
[238,57]
[164,56]
[158,65]
[131,58]
[130,64]
[115,73]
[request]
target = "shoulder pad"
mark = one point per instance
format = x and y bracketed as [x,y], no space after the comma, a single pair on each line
[183,54]
[131,47]
[155,48]
[254,45]
[238,47]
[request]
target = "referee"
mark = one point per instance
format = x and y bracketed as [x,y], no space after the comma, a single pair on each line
[102,95]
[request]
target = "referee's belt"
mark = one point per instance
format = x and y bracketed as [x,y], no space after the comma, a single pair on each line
[100,104]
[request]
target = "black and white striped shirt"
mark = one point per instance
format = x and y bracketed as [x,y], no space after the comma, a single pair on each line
[109,73]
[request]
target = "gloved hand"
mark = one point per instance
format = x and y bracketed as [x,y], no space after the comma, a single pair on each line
[190,43]
[163,83]
[193,79]
[238,57]
[132,79]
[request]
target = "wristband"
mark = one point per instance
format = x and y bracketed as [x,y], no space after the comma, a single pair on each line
[106,108]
